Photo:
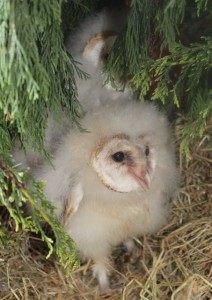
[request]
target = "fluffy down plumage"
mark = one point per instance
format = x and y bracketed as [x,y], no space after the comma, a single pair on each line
[99,216]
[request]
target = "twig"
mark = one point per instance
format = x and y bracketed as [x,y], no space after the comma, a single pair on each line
[11,175]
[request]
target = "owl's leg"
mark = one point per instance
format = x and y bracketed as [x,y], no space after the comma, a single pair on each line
[132,248]
[130,245]
[101,272]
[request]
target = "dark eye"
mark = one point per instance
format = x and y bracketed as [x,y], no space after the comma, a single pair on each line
[147,151]
[118,156]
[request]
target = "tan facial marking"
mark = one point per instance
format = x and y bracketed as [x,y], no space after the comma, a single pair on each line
[104,141]
[99,37]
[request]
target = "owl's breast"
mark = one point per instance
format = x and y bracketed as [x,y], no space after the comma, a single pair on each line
[107,218]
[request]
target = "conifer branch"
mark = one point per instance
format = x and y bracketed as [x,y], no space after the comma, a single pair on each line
[42,210]
[11,175]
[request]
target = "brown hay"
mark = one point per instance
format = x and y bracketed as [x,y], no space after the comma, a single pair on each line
[173,264]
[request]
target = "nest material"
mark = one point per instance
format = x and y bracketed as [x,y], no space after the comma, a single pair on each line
[173,264]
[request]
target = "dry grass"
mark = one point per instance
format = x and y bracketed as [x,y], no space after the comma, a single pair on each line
[173,264]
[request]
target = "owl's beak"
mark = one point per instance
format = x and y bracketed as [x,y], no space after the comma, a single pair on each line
[142,177]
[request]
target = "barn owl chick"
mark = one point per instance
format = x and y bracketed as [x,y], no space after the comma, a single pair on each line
[89,45]
[113,182]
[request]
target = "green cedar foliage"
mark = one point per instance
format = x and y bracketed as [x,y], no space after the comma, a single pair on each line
[13,195]
[35,71]
[168,58]
[164,52]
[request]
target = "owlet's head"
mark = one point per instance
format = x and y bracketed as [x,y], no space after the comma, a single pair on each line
[122,164]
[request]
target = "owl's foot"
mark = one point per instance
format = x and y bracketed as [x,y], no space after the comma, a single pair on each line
[101,272]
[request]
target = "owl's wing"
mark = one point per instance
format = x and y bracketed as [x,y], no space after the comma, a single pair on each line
[72,203]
